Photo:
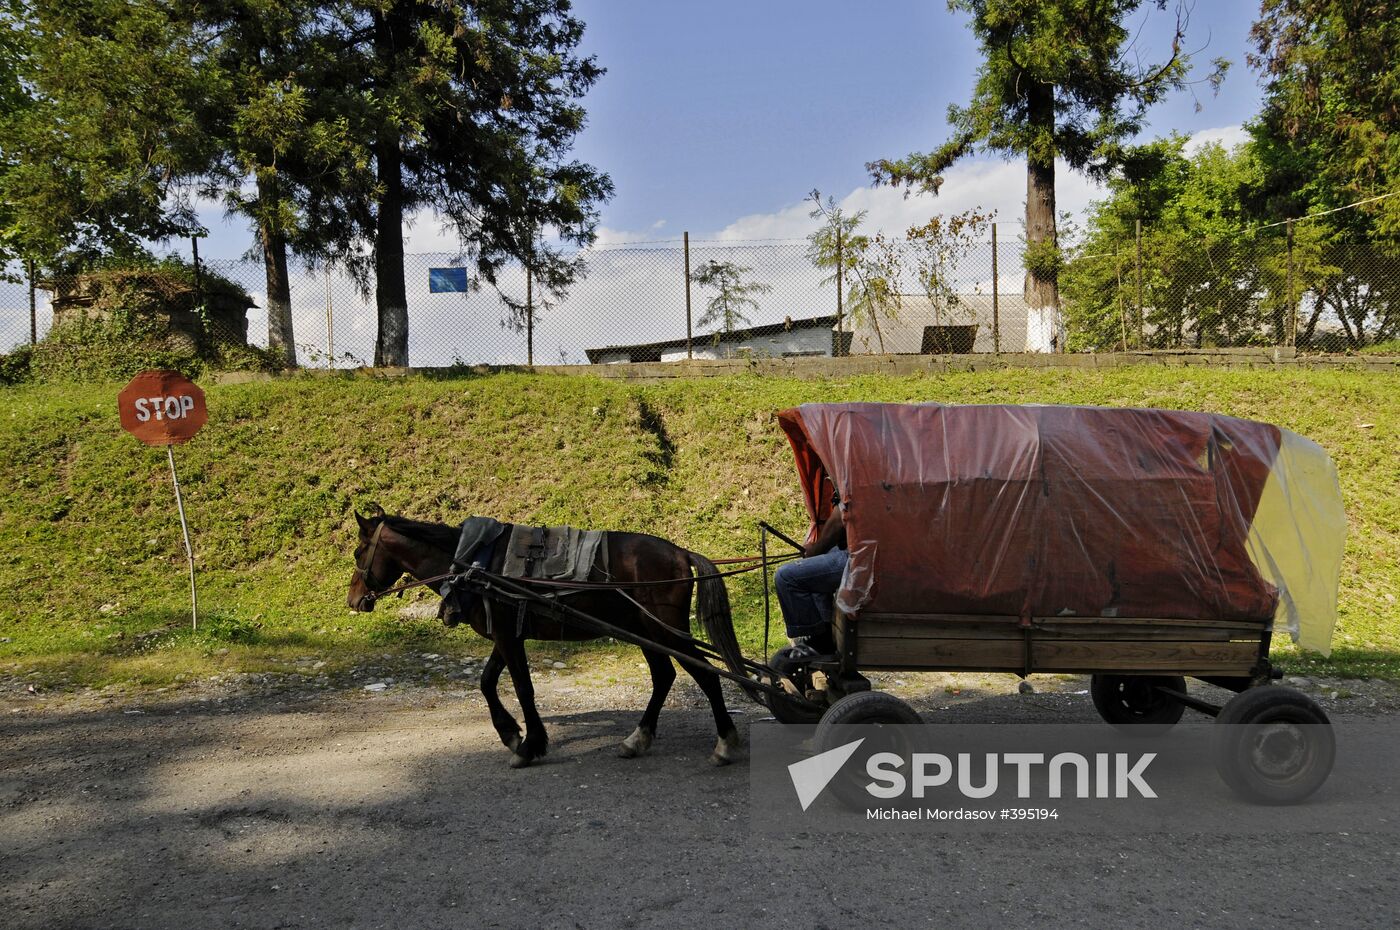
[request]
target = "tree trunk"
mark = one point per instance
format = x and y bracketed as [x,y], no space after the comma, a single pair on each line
[281,342]
[390,295]
[1042,288]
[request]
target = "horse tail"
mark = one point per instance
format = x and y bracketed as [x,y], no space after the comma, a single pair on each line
[712,610]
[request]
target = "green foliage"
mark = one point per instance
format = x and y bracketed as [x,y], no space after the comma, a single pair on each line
[94,567]
[111,349]
[1329,130]
[15,365]
[732,294]
[108,128]
[1213,274]
[129,329]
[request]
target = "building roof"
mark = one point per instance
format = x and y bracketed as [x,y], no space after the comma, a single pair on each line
[651,351]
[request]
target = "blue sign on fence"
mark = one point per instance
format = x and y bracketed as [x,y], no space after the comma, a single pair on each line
[447,280]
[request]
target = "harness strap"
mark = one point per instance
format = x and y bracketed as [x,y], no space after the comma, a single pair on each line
[589,585]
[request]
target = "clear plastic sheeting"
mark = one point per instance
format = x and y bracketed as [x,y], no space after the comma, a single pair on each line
[1297,540]
[1039,511]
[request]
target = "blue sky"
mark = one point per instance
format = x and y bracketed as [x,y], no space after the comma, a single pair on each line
[719,118]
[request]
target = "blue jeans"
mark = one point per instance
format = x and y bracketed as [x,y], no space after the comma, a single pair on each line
[805,591]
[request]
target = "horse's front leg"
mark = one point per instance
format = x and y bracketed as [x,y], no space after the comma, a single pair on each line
[536,741]
[505,724]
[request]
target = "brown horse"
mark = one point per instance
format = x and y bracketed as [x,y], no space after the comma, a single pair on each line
[390,547]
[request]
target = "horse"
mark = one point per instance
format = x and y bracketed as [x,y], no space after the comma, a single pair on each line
[390,547]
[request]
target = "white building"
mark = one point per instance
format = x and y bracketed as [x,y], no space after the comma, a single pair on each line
[812,336]
[919,326]
[971,324]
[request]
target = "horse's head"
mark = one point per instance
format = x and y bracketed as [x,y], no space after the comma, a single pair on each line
[376,568]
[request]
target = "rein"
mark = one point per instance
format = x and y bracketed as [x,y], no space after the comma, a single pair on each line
[619,586]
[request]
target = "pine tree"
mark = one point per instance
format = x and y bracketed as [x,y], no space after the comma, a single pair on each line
[1056,81]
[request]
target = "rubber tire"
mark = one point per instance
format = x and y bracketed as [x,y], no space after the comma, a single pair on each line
[1129,704]
[872,707]
[1234,746]
[868,708]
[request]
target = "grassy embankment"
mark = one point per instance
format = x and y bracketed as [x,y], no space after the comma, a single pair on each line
[92,570]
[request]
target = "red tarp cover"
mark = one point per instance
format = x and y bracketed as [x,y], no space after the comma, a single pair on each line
[1040,511]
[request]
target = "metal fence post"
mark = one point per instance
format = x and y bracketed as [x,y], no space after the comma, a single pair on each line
[1122,310]
[529,318]
[1137,262]
[996,297]
[330,327]
[33,314]
[198,281]
[689,335]
[840,296]
[1292,307]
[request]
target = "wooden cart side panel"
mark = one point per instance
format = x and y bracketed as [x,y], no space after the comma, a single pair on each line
[1068,628]
[1055,644]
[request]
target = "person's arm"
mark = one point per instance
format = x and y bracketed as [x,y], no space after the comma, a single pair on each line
[833,531]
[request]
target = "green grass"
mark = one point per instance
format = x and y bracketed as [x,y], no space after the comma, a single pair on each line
[93,572]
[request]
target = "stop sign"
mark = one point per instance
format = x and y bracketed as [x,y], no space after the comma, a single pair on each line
[162,408]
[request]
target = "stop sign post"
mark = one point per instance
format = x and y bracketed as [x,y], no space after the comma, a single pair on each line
[164,408]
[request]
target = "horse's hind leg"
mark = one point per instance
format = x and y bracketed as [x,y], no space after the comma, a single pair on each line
[505,724]
[663,675]
[729,748]
[536,741]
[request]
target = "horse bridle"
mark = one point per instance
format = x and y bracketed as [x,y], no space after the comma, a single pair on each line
[362,572]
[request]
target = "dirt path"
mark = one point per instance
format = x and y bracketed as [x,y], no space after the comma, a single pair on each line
[396,809]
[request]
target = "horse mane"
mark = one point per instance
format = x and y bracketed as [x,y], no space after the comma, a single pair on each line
[438,535]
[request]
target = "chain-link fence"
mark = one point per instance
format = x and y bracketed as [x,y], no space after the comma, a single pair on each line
[1287,284]
[663,301]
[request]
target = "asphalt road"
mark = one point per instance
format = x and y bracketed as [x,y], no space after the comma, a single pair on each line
[398,810]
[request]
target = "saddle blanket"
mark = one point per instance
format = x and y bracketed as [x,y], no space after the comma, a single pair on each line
[555,552]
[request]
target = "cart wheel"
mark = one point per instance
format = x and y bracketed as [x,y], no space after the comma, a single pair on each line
[1274,745]
[1133,705]
[871,708]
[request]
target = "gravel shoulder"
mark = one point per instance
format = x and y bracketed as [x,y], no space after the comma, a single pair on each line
[256,803]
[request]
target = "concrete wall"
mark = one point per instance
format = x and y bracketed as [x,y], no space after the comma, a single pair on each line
[823,368]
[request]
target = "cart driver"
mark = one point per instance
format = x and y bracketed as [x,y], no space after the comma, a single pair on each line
[807,587]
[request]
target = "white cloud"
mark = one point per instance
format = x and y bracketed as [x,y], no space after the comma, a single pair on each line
[426,231]
[1228,136]
[990,186]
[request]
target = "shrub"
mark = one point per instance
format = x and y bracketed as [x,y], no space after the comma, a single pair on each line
[134,327]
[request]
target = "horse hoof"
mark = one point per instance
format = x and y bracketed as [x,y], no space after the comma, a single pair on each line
[517,761]
[727,750]
[635,745]
[513,744]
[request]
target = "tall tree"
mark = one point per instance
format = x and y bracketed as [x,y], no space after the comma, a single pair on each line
[282,122]
[1059,79]
[473,106]
[15,62]
[1329,130]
